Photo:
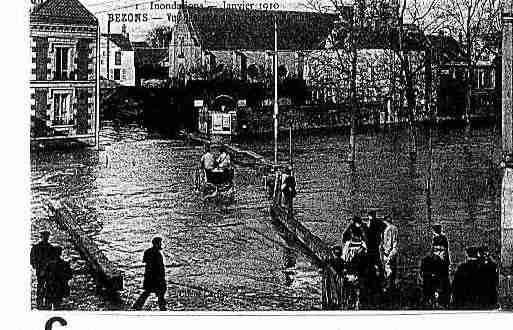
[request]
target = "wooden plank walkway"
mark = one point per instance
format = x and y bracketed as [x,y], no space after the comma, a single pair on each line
[104,271]
[295,233]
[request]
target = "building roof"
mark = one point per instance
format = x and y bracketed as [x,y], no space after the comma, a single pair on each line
[230,29]
[120,40]
[140,44]
[62,12]
[150,56]
[447,48]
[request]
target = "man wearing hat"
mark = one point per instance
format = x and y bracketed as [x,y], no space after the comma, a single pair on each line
[288,188]
[489,279]
[435,277]
[40,254]
[466,285]
[439,239]
[154,275]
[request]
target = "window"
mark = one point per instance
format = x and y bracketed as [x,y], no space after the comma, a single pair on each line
[123,74]
[61,63]
[62,109]
[181,55]
[117,58]
[117,74]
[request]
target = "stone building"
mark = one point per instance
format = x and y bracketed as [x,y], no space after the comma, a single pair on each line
[63,80]
[211,42]
[117,58]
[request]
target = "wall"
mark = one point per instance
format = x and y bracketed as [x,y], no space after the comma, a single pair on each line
[127,67]
[79,83]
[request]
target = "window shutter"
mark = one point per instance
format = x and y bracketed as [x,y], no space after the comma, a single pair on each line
[82,58]
[82,111]
[41,58]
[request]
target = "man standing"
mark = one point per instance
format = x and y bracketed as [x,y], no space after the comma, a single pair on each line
[154,275]
[40,255]
[488,278]
[374,229]
[207,162]
[435,278]
[388,251]
[288,188]
[439,239]
[354,225]
[57,274]
[466,285]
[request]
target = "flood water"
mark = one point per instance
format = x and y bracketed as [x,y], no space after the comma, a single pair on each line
[231,258]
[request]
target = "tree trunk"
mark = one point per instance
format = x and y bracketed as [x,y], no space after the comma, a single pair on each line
[354,68]
[410,101]
[352,137]
[429,176]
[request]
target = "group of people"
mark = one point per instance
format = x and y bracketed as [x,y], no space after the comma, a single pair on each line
[366,264]
[474,284]
[366,259]
[218,170]
[285,182]
[52,273]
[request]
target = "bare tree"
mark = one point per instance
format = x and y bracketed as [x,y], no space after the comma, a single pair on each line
[474,21]
[159,36]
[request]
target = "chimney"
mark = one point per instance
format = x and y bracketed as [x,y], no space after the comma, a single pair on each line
[123,31]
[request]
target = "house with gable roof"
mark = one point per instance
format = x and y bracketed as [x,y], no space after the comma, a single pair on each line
[117,58]
[63,80]
[208,41]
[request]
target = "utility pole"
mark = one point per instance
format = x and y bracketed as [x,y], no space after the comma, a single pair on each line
[108,49]
[97,108]
[275,114]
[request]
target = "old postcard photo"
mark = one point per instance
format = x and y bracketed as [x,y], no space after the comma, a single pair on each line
[270,156]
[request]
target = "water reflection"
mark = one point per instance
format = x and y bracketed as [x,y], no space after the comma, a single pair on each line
[232,258]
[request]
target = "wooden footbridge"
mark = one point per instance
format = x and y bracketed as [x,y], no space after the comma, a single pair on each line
[290,228]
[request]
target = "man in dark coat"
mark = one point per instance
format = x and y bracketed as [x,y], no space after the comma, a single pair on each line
[466,288]
[57,275]
[288,188]
[40,254]
[154,276]
[354,226]
[374,229]
[488,278]
[435,278]
[440,239]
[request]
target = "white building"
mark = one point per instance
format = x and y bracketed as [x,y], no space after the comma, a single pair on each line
[117,58]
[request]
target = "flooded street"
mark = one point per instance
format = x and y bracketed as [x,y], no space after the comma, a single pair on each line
[137,188]
[231,258]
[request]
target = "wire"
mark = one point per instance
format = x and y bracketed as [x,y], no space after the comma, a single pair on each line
[102,3]
[127,6]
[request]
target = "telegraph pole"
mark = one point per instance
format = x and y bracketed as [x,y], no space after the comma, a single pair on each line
[97,108]
[108,49]
[275,114]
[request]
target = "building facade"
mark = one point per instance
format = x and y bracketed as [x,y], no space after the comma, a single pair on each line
[209,42]
[117,58]
[64,80]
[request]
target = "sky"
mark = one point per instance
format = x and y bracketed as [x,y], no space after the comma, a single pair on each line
[152,16]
